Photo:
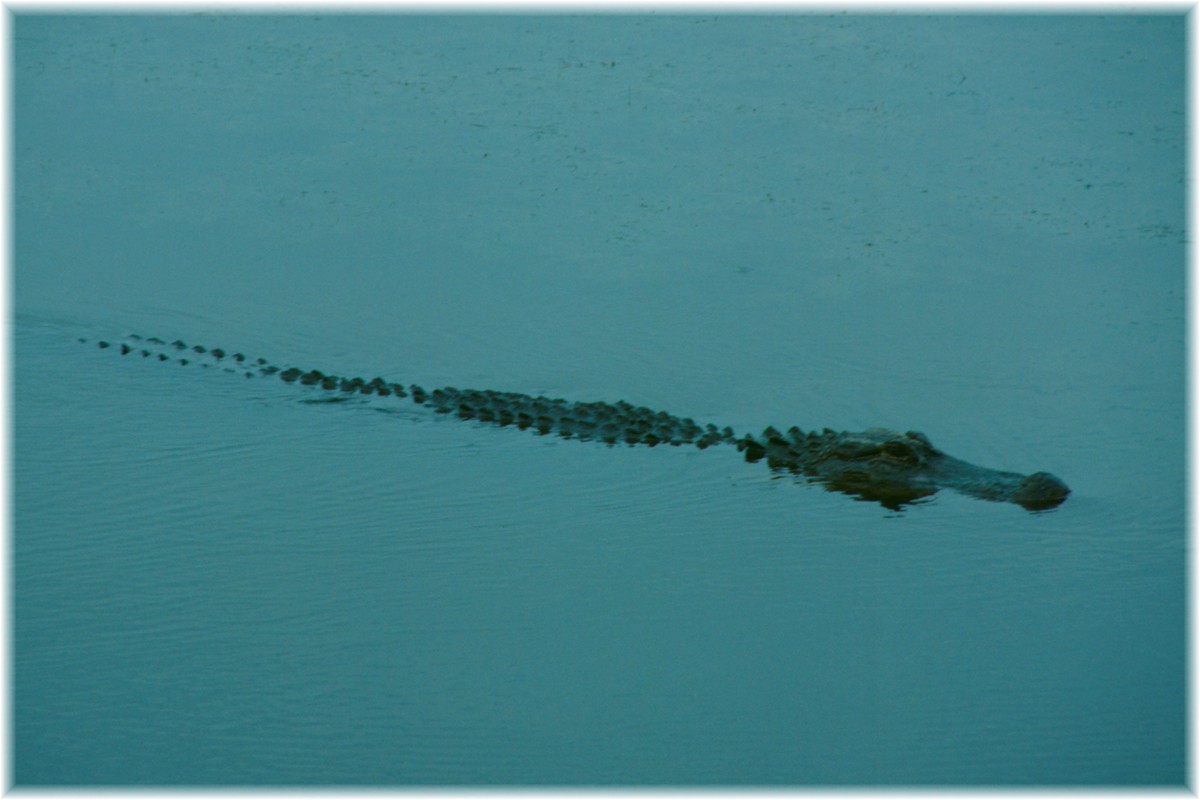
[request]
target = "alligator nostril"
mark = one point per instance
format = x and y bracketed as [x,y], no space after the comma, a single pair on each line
[1041,490]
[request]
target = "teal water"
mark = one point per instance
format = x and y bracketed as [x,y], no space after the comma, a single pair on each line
[970,226]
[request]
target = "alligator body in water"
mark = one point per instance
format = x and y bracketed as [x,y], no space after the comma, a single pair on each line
[876,464]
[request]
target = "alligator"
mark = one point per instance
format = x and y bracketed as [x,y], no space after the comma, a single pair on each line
[885,466]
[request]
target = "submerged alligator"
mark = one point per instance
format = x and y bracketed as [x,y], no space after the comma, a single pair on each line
[876,464]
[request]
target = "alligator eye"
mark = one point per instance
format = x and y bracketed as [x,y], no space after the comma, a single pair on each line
[852,450]
[899,450]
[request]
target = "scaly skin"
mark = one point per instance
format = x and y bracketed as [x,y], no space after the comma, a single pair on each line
[876,464]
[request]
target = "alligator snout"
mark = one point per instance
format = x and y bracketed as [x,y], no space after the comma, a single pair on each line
[1039,491]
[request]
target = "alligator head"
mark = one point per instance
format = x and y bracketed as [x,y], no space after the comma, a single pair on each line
[896,468]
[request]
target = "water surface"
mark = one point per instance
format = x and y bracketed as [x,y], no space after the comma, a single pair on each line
[968,226]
